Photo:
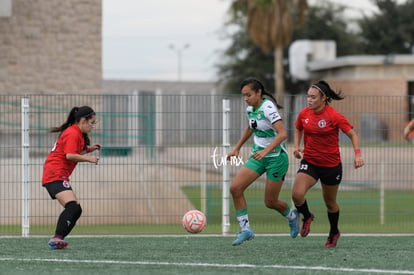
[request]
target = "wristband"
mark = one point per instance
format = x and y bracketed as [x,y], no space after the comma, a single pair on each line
[88,150]
[357,151]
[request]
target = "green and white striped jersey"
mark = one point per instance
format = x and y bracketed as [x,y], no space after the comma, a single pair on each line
[261,123]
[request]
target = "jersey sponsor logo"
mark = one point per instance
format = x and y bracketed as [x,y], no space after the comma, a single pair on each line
[66,184]
[322,123]
[253,124]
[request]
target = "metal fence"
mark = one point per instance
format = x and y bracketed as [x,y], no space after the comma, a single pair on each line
[163,155]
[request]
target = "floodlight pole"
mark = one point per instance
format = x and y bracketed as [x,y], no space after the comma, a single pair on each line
[179,51]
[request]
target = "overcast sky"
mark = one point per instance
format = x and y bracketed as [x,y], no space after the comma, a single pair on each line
[138,36]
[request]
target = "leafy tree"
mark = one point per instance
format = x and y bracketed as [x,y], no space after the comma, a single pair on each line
[243,58]
[391,30]
[326,21]
[270,26]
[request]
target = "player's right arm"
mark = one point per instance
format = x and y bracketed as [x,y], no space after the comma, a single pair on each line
[297,151]
[245,136]
[90,149]
[81,158]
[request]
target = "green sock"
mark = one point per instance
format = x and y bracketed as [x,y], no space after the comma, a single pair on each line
[241,212]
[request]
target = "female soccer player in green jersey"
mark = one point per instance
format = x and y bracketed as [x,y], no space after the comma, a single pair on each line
[268,155]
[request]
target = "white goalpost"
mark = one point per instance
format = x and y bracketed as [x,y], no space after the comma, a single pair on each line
[226,176]
[25,167]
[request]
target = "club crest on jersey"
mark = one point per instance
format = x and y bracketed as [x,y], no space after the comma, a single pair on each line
[253,124]
[322,123]
[66,184]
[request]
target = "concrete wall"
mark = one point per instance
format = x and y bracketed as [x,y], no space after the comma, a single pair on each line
[51,46]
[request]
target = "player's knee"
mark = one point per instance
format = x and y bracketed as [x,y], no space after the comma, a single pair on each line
[236,191]
[297,197]
[270,204]
[332,206]
[74,208]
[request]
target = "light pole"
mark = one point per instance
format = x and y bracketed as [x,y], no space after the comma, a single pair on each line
[179,51]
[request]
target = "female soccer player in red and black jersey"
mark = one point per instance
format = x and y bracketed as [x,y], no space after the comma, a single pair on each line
[319,125]
[68,150]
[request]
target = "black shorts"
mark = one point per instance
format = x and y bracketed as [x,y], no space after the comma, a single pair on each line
[56,187]
[327,175]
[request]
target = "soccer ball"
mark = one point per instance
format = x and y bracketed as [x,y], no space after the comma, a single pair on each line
[194,221]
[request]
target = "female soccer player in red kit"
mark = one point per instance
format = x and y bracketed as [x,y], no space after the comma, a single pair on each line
[319,124]
[69,149]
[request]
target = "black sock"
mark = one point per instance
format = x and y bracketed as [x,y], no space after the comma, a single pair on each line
[304,210]
[68,218]
[333,221]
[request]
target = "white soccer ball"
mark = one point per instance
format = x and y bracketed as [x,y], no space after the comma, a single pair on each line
[194,221]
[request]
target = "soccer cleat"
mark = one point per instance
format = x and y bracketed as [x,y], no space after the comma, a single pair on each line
[56,243]
[332,240]
[243,236]
[306,226]
[294,225]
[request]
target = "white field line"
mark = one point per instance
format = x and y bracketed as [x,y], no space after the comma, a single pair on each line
[313,268]
[212,235]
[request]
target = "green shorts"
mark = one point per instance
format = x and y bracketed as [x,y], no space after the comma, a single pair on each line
[275,167]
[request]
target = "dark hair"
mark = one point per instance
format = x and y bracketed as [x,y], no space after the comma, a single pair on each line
[74,117]
[324,88]
[256,85]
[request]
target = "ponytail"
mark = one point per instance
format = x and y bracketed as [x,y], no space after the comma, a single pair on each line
[75,115]
[69,121]
[324,88]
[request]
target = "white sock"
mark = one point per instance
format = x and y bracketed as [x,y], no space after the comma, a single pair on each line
[244,222]
[291,216]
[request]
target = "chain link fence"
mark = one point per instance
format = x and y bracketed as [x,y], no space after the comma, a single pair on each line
[163,155]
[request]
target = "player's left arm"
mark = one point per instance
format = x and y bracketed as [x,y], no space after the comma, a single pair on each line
[358,161]
[281,136]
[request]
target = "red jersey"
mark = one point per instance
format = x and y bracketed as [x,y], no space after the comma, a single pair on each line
[56,166]
[321,135]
